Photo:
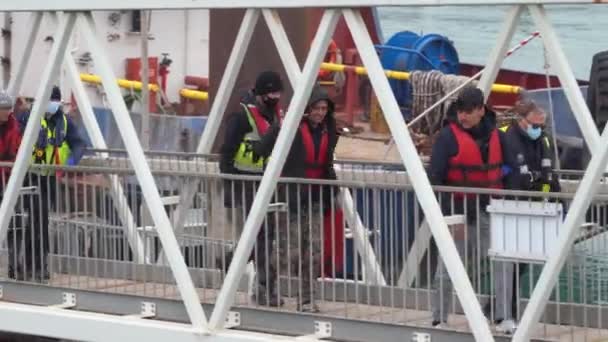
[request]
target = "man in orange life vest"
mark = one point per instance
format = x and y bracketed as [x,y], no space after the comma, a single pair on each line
[468,153]
[311,156]
[240,154]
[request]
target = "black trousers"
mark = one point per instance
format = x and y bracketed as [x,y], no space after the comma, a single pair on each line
[33,233]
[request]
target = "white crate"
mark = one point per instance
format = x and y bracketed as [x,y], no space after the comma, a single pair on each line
[523,230]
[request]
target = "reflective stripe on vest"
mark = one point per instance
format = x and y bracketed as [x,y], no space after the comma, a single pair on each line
[467,168]
[315,167]
[244,159]
[52,154]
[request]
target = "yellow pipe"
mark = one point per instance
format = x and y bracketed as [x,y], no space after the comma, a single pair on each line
[194,94]
[401,75]
[136,85]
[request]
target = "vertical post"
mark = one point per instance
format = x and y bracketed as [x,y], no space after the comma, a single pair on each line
[14,86]
[6,72]
[566,76]
[497,55]
[273,170]
[145,178]
[24,155]
[371,268]
[216,115]
[415,170]
[145,74]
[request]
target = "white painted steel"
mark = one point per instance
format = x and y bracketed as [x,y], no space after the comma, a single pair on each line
[419,248]
[566,76]
[415,169]
[94,132]
[24,155]
[372,269]
[497,55]
[216,114]
[107,5]
[281,41]
[87,326]
[587,188]
[273,170]
[14,86]
[144,176]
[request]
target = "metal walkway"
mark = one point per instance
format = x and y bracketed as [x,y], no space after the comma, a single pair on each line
[125,266]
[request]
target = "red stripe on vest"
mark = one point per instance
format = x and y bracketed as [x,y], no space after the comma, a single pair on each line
[260,121]
[315,167]
[467,167]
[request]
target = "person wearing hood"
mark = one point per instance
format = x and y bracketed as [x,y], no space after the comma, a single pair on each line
[10,139]
[469,153]
[241,154]
[10,134]
[59,143]
[311,156]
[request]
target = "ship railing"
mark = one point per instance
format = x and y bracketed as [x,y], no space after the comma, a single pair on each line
[90,249]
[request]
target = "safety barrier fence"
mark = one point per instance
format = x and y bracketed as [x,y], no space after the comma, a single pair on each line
[309,256]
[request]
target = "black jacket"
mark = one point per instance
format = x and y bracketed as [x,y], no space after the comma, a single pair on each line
[236,128]
[446,147]
[295,164]
[516,143]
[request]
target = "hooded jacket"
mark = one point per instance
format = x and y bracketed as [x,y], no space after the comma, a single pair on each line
[10,139]
[295,164]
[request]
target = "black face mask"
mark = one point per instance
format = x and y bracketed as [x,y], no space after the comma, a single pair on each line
[270,102]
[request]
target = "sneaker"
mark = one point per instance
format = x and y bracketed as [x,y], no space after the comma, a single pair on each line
[439,324]
[507,326]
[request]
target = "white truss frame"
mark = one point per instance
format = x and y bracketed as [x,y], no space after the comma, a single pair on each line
[28,319]
[111,5]
[372,271]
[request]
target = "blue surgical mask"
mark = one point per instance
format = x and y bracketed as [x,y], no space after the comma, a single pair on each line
[534,133]
[52,108]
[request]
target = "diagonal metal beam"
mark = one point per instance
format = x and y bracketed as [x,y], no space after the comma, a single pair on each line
[216,115]
[415,169]
[273,171]
[373,270]
[497,55]
[144,176]
[92,127]
[566,77]
[24,155]
[587,187]
[14,86]
[281,41]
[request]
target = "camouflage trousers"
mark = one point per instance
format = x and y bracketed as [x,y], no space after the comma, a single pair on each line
[299,249]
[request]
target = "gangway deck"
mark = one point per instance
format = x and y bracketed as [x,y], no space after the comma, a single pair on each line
[151,286]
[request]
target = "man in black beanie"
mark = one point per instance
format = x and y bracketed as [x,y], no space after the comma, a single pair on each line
[241,154]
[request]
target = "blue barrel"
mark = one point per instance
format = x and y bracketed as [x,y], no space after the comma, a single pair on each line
[408,51]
